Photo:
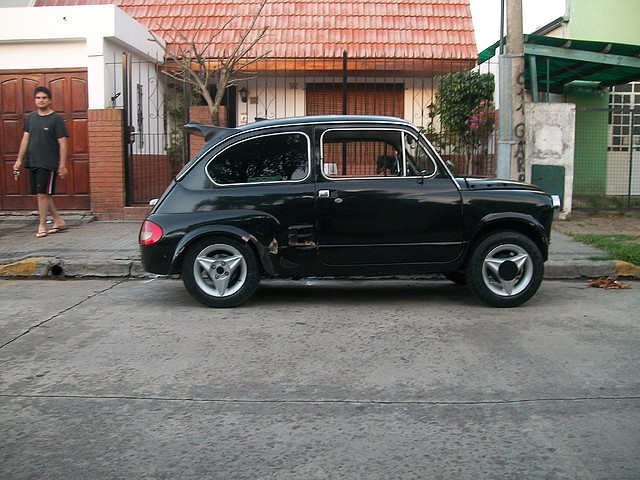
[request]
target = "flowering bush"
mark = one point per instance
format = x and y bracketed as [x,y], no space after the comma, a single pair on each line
[481,122]
[466,113]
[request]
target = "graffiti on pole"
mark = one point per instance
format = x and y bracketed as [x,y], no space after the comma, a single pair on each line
[518,152]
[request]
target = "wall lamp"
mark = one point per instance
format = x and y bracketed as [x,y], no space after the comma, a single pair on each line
[243,94]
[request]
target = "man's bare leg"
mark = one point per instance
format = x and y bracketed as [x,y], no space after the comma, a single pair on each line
[47,205]
[43,207]
[58,221]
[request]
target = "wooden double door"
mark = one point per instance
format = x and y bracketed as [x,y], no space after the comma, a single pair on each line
[69,98]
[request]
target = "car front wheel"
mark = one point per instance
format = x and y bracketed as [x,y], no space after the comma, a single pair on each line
[220,273]
[505,269]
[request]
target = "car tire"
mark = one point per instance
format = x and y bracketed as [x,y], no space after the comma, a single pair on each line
[220,272]
[505,269]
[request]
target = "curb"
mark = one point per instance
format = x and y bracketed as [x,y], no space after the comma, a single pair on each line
[571,269]
[55,267]
[626,269]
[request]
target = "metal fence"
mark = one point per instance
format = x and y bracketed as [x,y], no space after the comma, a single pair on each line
[404,88]
[607,148]
[607,159]
[155,109]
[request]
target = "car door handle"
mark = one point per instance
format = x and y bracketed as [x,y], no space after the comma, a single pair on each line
[329,194]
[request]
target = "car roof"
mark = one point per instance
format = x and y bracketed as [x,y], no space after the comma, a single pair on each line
[321,119]
[211,132]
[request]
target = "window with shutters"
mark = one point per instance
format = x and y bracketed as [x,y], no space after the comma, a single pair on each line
[362,99]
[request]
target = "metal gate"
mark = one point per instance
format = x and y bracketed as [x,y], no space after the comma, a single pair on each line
[607,158]
[153,137]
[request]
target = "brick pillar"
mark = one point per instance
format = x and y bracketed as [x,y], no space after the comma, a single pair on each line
[201,114]
[106,164]
[198,114]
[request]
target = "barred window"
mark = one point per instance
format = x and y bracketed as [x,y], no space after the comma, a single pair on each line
[623,129]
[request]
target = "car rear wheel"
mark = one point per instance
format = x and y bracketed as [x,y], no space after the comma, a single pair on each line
[505,269]
[220,273]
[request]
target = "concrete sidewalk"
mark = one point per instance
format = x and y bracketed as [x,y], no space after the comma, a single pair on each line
[90,248]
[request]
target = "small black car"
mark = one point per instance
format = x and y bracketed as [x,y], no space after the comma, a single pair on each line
[341,196]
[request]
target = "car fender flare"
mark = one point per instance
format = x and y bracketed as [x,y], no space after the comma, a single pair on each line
[207,230]
[495,221]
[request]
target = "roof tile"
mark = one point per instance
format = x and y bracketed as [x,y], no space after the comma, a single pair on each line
[317,28]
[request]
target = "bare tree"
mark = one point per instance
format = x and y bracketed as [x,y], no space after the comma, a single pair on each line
[195,64]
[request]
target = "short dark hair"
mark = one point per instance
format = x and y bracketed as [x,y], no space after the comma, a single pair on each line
[44,90]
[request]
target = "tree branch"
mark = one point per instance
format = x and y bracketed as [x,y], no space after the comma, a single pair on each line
[193,64]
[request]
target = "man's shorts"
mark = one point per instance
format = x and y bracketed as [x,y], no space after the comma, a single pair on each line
[42,181]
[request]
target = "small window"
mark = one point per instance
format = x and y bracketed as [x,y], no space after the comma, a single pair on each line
[419,162]
[270,158]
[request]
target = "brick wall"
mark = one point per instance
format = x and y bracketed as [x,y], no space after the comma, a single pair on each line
[201,114]
[106,164]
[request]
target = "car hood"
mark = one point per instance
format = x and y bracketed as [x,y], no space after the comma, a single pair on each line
[470,183]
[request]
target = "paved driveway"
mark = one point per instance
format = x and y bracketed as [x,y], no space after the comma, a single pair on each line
[383,379]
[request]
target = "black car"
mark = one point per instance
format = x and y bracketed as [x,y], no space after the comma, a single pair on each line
[341,196]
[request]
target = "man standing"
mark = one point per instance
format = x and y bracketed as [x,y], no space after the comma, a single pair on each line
[45,143]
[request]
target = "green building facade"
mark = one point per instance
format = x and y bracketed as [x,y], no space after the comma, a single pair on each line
[600,168]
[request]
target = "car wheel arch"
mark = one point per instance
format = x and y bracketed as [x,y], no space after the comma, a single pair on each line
[522,224]
[218,231]
[489,226]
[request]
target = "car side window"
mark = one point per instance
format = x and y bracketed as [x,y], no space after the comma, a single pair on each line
[269,158]
[419,161]
[349,153]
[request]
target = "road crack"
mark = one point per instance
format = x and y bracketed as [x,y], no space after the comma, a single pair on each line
[147,398]
[62,312]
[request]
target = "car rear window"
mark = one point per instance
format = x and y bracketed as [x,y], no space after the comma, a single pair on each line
[269,158]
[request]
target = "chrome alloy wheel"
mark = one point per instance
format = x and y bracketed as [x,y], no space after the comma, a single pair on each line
[220,270]
[507,270]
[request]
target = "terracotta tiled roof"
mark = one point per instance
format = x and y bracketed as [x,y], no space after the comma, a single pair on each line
[421,29]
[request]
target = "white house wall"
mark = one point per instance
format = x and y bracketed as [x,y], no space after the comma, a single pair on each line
[272,98]
[37,56]
[618,171]
[73,37]
[550,140]
[286,97]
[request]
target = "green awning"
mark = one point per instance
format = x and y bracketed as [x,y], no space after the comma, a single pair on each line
[555,62]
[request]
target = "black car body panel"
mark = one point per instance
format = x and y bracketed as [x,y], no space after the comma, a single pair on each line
[335,196]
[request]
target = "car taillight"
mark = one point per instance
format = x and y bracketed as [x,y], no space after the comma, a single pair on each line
[150,233]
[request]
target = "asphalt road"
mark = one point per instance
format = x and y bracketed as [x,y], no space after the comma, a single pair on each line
[317,380]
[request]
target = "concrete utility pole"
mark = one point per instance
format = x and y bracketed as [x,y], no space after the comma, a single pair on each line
[511,141]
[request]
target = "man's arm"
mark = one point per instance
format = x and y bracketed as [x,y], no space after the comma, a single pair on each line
[62,169]
[22,151]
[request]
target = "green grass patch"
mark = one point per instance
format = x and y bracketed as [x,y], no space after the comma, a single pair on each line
[620,247]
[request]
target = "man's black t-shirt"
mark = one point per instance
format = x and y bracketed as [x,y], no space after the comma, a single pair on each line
[44,132]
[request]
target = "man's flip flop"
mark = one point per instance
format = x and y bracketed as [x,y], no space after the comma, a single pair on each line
[41,234]
[56,230]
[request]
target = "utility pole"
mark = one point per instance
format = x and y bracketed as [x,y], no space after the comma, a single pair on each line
[511,135]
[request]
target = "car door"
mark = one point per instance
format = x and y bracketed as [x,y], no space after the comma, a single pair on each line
[383,198]
[263,185]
